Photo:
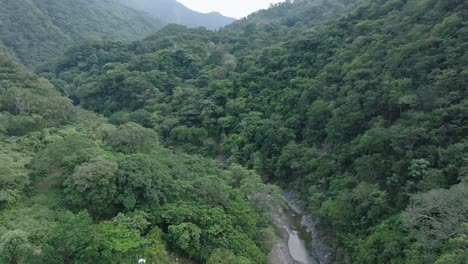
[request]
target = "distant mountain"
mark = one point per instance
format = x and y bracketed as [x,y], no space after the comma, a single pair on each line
[35,30]
[172,11]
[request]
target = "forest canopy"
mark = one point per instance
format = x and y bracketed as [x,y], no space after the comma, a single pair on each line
[164,144]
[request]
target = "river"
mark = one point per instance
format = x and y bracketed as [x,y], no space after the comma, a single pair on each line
[300,241]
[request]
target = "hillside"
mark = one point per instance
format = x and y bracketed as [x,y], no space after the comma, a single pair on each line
[76,189]
[164,148]
[362,111]
[36,30]
[172,11]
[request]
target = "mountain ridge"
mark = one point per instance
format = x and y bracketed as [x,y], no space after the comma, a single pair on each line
[173,11]
[36,30]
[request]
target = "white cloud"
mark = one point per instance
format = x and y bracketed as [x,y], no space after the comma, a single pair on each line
[232,8]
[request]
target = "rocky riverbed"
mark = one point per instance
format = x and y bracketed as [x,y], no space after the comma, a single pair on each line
[299,241]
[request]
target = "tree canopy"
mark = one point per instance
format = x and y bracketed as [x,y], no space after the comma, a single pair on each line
[164,143]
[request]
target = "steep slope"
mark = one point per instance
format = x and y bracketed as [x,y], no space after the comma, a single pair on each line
[35,30]
[282,22]
[76,189]
[175,12]
[28,102]
[365,115]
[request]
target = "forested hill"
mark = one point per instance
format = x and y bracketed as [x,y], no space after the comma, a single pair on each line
[364,111]
[37,30]
[172,11]
[76,189]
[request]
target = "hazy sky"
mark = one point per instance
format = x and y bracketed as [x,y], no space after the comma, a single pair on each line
[231,8]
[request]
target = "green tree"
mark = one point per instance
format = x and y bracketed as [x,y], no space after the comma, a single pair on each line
[93,186]
[62,156]
[14,246]
[136,221]
[113,244]
[457,249]
[186,237]
[71,235]
[156,251]
[13,180]
[132,138]
[223,256]
[140,182]
[359,208]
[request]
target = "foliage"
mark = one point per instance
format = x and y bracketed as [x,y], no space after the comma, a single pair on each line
[140,180]
[136,221]
[14,179]
[360,105]
[132,138]
[187,237]
[14,245]
[63,155]
[92,186]
[226,257]
[112,244]
[458,249]
[37,30]
[29,103]
[439,213]
[64,175]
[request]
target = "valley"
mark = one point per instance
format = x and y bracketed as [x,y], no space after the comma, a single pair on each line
[315,131]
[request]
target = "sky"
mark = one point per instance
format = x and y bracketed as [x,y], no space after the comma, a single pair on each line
[231,8]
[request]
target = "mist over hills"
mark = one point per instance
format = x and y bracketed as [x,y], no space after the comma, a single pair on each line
[36,30]
[172,11]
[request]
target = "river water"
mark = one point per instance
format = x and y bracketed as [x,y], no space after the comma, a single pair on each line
[300,239]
